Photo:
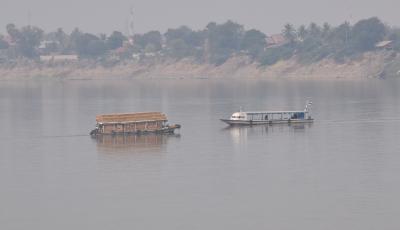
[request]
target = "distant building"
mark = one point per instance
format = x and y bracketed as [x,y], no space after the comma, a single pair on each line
[46,47]
[10,41]
[59,58]
[150,54]
[136,56]
[387,45]
[276,40]
[3,55]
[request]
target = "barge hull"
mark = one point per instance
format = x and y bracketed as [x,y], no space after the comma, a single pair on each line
[165,130]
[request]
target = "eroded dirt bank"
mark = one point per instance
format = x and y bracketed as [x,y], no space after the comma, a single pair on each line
[380,64]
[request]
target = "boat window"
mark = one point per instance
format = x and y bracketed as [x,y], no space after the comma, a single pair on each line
[297,116]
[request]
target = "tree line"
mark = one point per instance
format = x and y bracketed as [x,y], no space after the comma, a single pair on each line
[214,44]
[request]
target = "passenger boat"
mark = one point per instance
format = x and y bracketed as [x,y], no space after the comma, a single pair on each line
[132,123]
[270,117]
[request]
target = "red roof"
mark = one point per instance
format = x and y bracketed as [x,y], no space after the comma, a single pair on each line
[276,39]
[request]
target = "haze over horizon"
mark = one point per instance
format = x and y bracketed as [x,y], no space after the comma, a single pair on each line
[267,16]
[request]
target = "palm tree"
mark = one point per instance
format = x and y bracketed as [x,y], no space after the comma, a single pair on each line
[314,29]
[326,29]
[302,32]
[289,33]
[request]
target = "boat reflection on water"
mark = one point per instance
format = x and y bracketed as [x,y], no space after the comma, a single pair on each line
[243,132]
[132,143]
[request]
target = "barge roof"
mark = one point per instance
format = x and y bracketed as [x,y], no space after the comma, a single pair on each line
[130,117]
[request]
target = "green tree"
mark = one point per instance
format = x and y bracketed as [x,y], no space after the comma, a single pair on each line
[366,33]
[102,36]
[289,32]
[341,35]
[339,41]
[253,42]
[96,48]
[326,29]
[394,35]
[184,42]
[116,40]
[223,41]
[59,41]
[153,38]
[74,38]
[182,33]
[178,48]
[302,32]
[3,43]
[88,45]
[27,39]
[314,30]
[273,55]
[190,37]
[13,31]
[62,40]
[148,42]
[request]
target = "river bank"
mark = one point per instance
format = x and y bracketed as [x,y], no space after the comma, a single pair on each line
[379,64]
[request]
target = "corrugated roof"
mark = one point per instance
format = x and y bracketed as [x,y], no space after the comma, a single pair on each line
[130,117]
[383,44]
[276,39]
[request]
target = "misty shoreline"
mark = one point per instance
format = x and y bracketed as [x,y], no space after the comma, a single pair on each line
[371,65]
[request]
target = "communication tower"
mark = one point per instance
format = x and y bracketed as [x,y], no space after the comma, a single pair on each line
[131,26]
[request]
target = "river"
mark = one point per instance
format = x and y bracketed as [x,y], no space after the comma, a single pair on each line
[341,172]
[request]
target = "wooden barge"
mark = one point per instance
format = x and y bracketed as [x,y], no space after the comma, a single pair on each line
[132,123]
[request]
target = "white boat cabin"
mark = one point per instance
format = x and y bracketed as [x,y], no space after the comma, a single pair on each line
[269,117]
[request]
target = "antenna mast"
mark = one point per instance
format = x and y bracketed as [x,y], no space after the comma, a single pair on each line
[131,26]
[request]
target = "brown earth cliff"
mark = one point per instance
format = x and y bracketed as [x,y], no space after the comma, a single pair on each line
[379,64]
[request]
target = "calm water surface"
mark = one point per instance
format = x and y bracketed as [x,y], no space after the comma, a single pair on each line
[342,172]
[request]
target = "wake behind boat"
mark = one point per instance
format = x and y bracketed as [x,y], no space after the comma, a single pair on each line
[271,117]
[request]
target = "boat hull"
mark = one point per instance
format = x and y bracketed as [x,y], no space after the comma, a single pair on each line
[264,122]
[165,130]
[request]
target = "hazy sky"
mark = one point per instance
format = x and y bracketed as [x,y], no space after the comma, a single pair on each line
[268,16]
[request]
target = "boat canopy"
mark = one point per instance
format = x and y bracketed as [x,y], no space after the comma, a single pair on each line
[130,117]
